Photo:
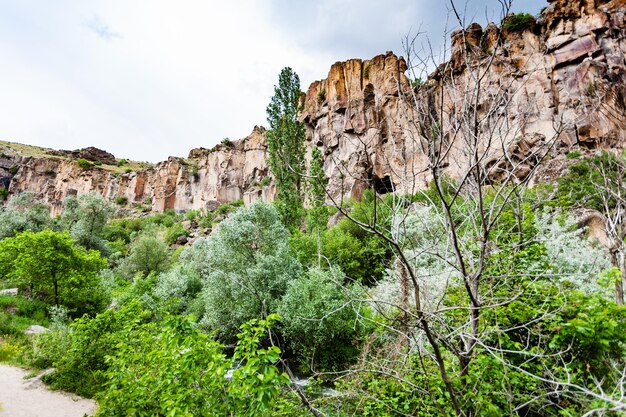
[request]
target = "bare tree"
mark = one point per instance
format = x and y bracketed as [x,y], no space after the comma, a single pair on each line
[466,132]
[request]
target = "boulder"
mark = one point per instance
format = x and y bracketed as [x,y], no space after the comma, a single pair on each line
[9,291]
[36,329]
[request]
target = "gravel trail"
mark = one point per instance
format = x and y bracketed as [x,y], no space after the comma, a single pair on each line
[21,397]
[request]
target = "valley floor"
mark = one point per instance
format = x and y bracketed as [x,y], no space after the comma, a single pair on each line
[21,397]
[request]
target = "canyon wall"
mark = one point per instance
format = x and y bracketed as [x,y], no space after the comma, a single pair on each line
[555,84]
[205,179]
[551,86]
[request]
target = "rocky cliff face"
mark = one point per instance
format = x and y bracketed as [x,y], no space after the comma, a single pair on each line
[560,81]
[205,179]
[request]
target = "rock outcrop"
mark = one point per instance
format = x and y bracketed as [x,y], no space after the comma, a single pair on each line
[554,84]
[202,181]
[559,81]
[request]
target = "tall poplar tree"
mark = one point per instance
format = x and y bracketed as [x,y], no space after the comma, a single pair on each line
[285,141]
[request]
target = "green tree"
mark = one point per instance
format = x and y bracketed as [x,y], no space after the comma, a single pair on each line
[320,321]
[318,212]
[599,183]
[24,212]
[50,262]
[285,141]
[245,266]
[147,255]
[85,217]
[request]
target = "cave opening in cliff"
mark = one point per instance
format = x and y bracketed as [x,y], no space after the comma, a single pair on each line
[383,185]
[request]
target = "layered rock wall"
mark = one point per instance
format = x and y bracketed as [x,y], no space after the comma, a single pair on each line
[204,180]
[556,84]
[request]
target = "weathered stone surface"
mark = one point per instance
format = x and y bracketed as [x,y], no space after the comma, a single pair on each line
[9,291]
[220,175]
[563,80]
[95,154]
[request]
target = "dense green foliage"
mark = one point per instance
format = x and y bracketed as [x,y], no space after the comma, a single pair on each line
[245,267]
[195,331]
[519,22]
[49,264]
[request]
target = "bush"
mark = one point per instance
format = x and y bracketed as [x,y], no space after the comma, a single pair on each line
[519,22]
[226,208]
[3,193]
[320,322]
[170,368]
[84,164]
[321,96]
[147,255]
[227,142]
[174,232]
[250,247]
[13,170]
[81,363]
[121,200]
[122,162]
[206,221]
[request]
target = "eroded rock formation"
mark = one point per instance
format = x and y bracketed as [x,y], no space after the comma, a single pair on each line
[559,81]
[202,181]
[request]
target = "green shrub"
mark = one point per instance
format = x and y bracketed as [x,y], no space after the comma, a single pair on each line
[206,220]
[122,162]
[321,96]
[147,255]
[192,215]
[174,232]
[573,155]
[121,200]
[227,142]
[13,170]
[24,307]
[97,163]
[250,247]
[170,368]
[84,164]
[320,322]
[81,363]
[4,193]
[229,207]
[128,170]
[266,181]
[366,71]
[519,22]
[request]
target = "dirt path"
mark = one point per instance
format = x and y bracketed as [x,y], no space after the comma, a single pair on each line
[30,398]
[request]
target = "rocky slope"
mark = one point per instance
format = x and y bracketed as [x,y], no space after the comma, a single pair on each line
[560,81]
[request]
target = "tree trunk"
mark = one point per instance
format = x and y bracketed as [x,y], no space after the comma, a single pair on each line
[618,260]
[56,292]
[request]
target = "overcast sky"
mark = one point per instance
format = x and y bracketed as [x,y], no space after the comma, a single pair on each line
[149,79]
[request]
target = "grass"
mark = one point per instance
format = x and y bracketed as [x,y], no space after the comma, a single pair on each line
[17,313]
[36,151]
[28,150]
